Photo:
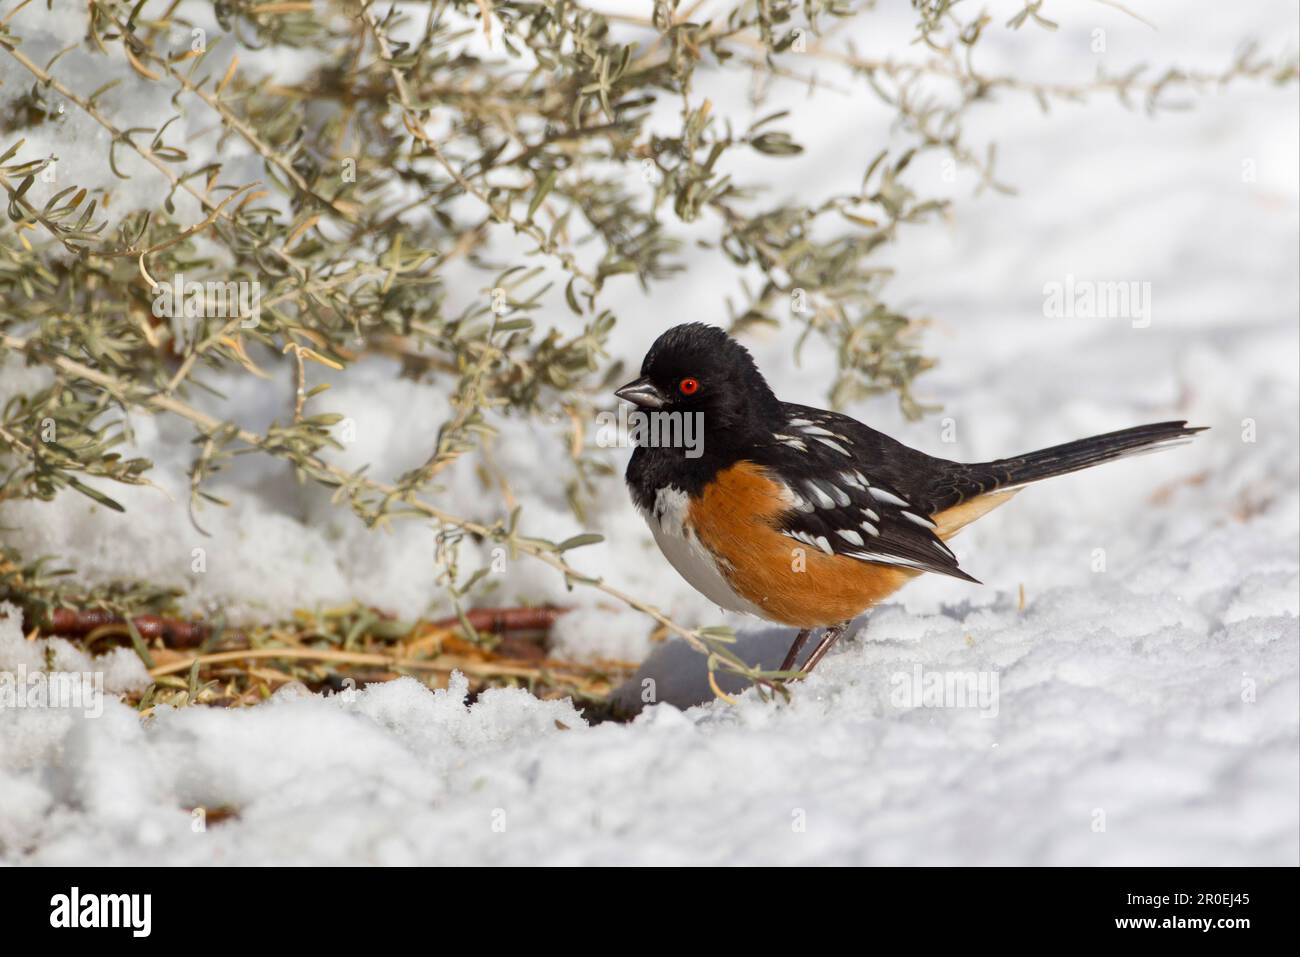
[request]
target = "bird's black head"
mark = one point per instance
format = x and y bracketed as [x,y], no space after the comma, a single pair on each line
[699,368]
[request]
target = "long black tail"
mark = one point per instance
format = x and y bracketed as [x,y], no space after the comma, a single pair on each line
[973,480]
[1085,453]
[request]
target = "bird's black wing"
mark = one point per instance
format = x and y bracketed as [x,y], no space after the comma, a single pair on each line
[856,492]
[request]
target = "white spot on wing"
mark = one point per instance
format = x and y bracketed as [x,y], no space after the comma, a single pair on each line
[889,498]
[820,498]
[918,519]
[834,445]
[887,560]
[840,496]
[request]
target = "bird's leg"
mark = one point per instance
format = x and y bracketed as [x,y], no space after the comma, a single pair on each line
[829,637]
[792,655]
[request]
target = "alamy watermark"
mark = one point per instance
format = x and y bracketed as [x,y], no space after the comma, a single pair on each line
[945,689]
[75,690]
[672,430]
[133,912]
[1097,299]
[183,299]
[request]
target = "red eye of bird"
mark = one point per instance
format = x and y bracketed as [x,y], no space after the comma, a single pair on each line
[689,386]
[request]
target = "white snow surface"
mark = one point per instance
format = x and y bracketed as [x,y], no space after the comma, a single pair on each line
[1147,691]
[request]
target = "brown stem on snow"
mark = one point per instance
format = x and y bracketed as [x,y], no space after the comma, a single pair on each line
[174,632]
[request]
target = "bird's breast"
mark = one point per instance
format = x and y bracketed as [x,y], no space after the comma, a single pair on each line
[669,518]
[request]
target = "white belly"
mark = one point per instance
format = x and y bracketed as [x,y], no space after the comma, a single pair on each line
[676,539]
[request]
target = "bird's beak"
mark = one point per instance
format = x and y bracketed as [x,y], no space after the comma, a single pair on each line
[642,393]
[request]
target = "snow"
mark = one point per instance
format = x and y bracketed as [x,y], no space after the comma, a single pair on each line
[1146,694]
[121,668]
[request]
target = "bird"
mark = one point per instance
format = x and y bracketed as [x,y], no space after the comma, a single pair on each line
[807,517]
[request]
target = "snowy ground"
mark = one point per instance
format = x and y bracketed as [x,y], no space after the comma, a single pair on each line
[1147,693]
